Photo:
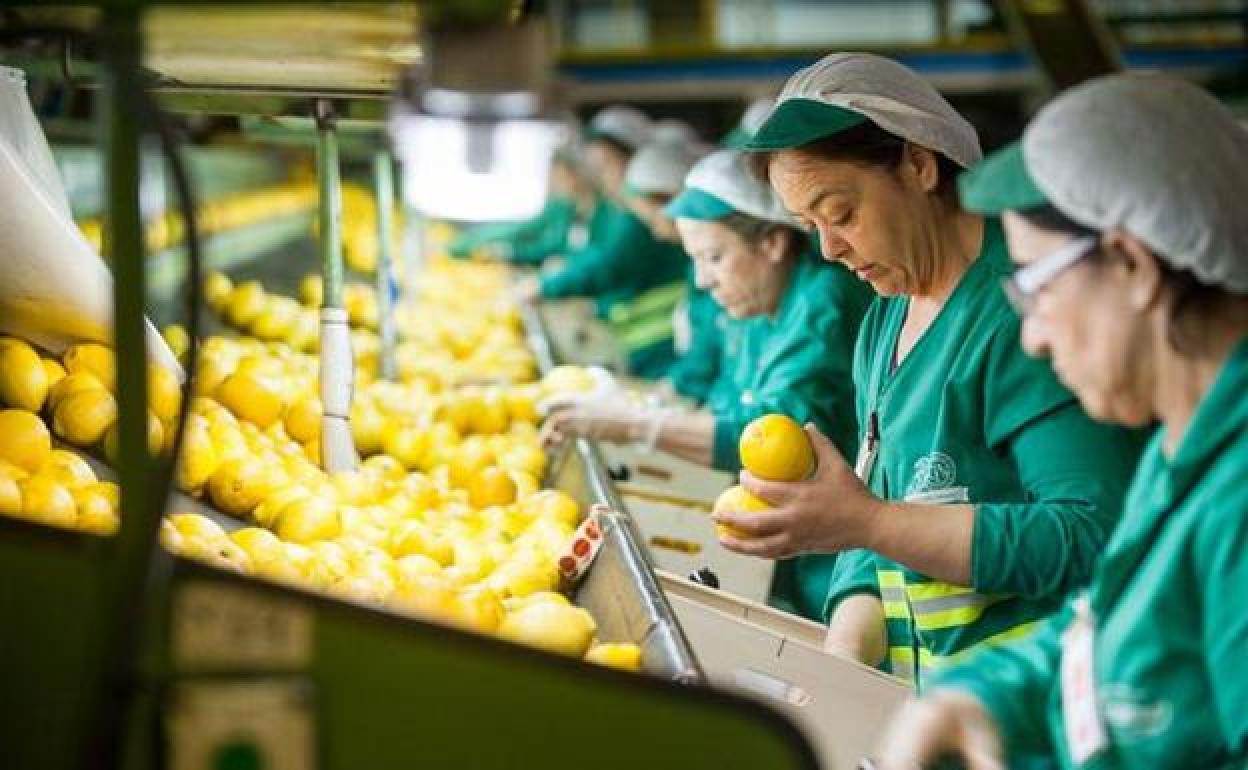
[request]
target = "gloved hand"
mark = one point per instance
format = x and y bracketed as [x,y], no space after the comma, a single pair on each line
[604,389]
[612,421]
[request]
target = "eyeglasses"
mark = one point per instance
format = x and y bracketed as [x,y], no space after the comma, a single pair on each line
[1022,287]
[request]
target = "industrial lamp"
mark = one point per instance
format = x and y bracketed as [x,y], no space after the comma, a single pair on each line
[475,130]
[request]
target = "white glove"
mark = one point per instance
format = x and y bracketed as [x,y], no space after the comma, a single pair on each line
[605,390]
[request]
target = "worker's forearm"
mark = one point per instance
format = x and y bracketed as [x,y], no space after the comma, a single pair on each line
[856,630]
[934,540]
[689,435]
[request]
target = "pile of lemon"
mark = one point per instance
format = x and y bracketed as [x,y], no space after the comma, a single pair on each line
[458,328]
[229,212]
[71,399]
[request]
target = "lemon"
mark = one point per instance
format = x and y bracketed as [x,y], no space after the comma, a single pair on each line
[567,378]
[414,566]
[327,565]
[67,468]
[491,486]
[414,537]
[47,501]
[466,461]
[94,359]
[277,319]
[408,445]
[237,486]
[352,487]
[521,404]
[737,499]
[308,520]
[556,505]
[427,596]
[217,290]
[69,385]
[198,458]
[303,419]
[10,496]
[621,655]
[551,627]
[490,415]
[250,399]
[246,302]
[82,418]
[479,609]
[164,393]
[196,525]
[23,380]
[518,602]
[54,371]
[265,514]
[155,439]
[311,290]
[178,340]
[261,545]
[384,467]
[97,509]
[368,429]
[526,458]
[775,447]
[24,439]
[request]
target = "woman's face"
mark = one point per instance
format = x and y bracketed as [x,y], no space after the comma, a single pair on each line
[607,165]
[1089,321]
[882,224]
[744,278]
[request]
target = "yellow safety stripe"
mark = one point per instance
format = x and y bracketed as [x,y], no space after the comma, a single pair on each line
[901,660]
[644,334]
[936,590]
[657,300]
[893,593]
[939,605]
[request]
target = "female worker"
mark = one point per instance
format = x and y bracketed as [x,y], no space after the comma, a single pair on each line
[655,175]
[983,493]
[627,260]
[553,231]
[1133,279]
[787,348]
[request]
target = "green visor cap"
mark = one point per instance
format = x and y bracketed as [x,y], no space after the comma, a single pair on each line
[798,121]
[693,203]
[1000,182]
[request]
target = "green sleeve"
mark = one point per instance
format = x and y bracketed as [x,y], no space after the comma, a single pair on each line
[808,378]
[1075,474]
[550,238]
[493,232]
[605,264]
[695,371]
[854,574]
[1222,541]
[1015,683]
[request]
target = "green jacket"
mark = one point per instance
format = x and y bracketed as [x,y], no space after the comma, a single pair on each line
[622,260]
[1169,609]
[695,372]
[969,418]
[525,243]
[795,363]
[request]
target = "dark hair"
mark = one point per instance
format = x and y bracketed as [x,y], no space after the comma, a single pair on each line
[753,230]
[866,144]
[1190,295]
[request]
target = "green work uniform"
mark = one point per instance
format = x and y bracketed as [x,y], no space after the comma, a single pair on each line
[524,243]
[636,280]
[1167,606]
[968,417]
[795,362]
[695,372]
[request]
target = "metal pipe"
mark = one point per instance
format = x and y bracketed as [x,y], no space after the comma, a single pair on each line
[337,365]
[387,287]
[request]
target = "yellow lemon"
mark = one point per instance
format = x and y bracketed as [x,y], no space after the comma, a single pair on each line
[250,399]
[196,525]
[311,290]
[266,512]
[408,445]
[261,545]
[491,486]
[155,439]
[527,458]
[429,597]
[303,419]
[385,467]
[737,499]
[556,505]
[515,603]
[164,393]
[415,537]
[97,509]
[24,439]
[775,447]
[23,380]
[466,461]
[308,520]
[237,486]
[198,458]
[82,418]
[55,372]
[10,496]
[551,627]
[178,340]
[521,403]
[94,359]
[217,290]
[47,501]
[246,301]
[368,429]
[479,609]
[67,468]
[622,655]
[67,386]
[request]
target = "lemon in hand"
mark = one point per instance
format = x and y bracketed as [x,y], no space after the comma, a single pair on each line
[774,447]
[739,500]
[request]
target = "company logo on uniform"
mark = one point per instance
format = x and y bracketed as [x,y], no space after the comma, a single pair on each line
[1133,714]
[932,472]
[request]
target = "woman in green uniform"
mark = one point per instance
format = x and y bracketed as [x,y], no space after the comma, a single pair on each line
[1133,279]
[788,344]
[628,260]
[572,201]
[983,493]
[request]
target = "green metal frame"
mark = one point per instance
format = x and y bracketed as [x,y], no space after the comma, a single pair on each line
[383,180]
